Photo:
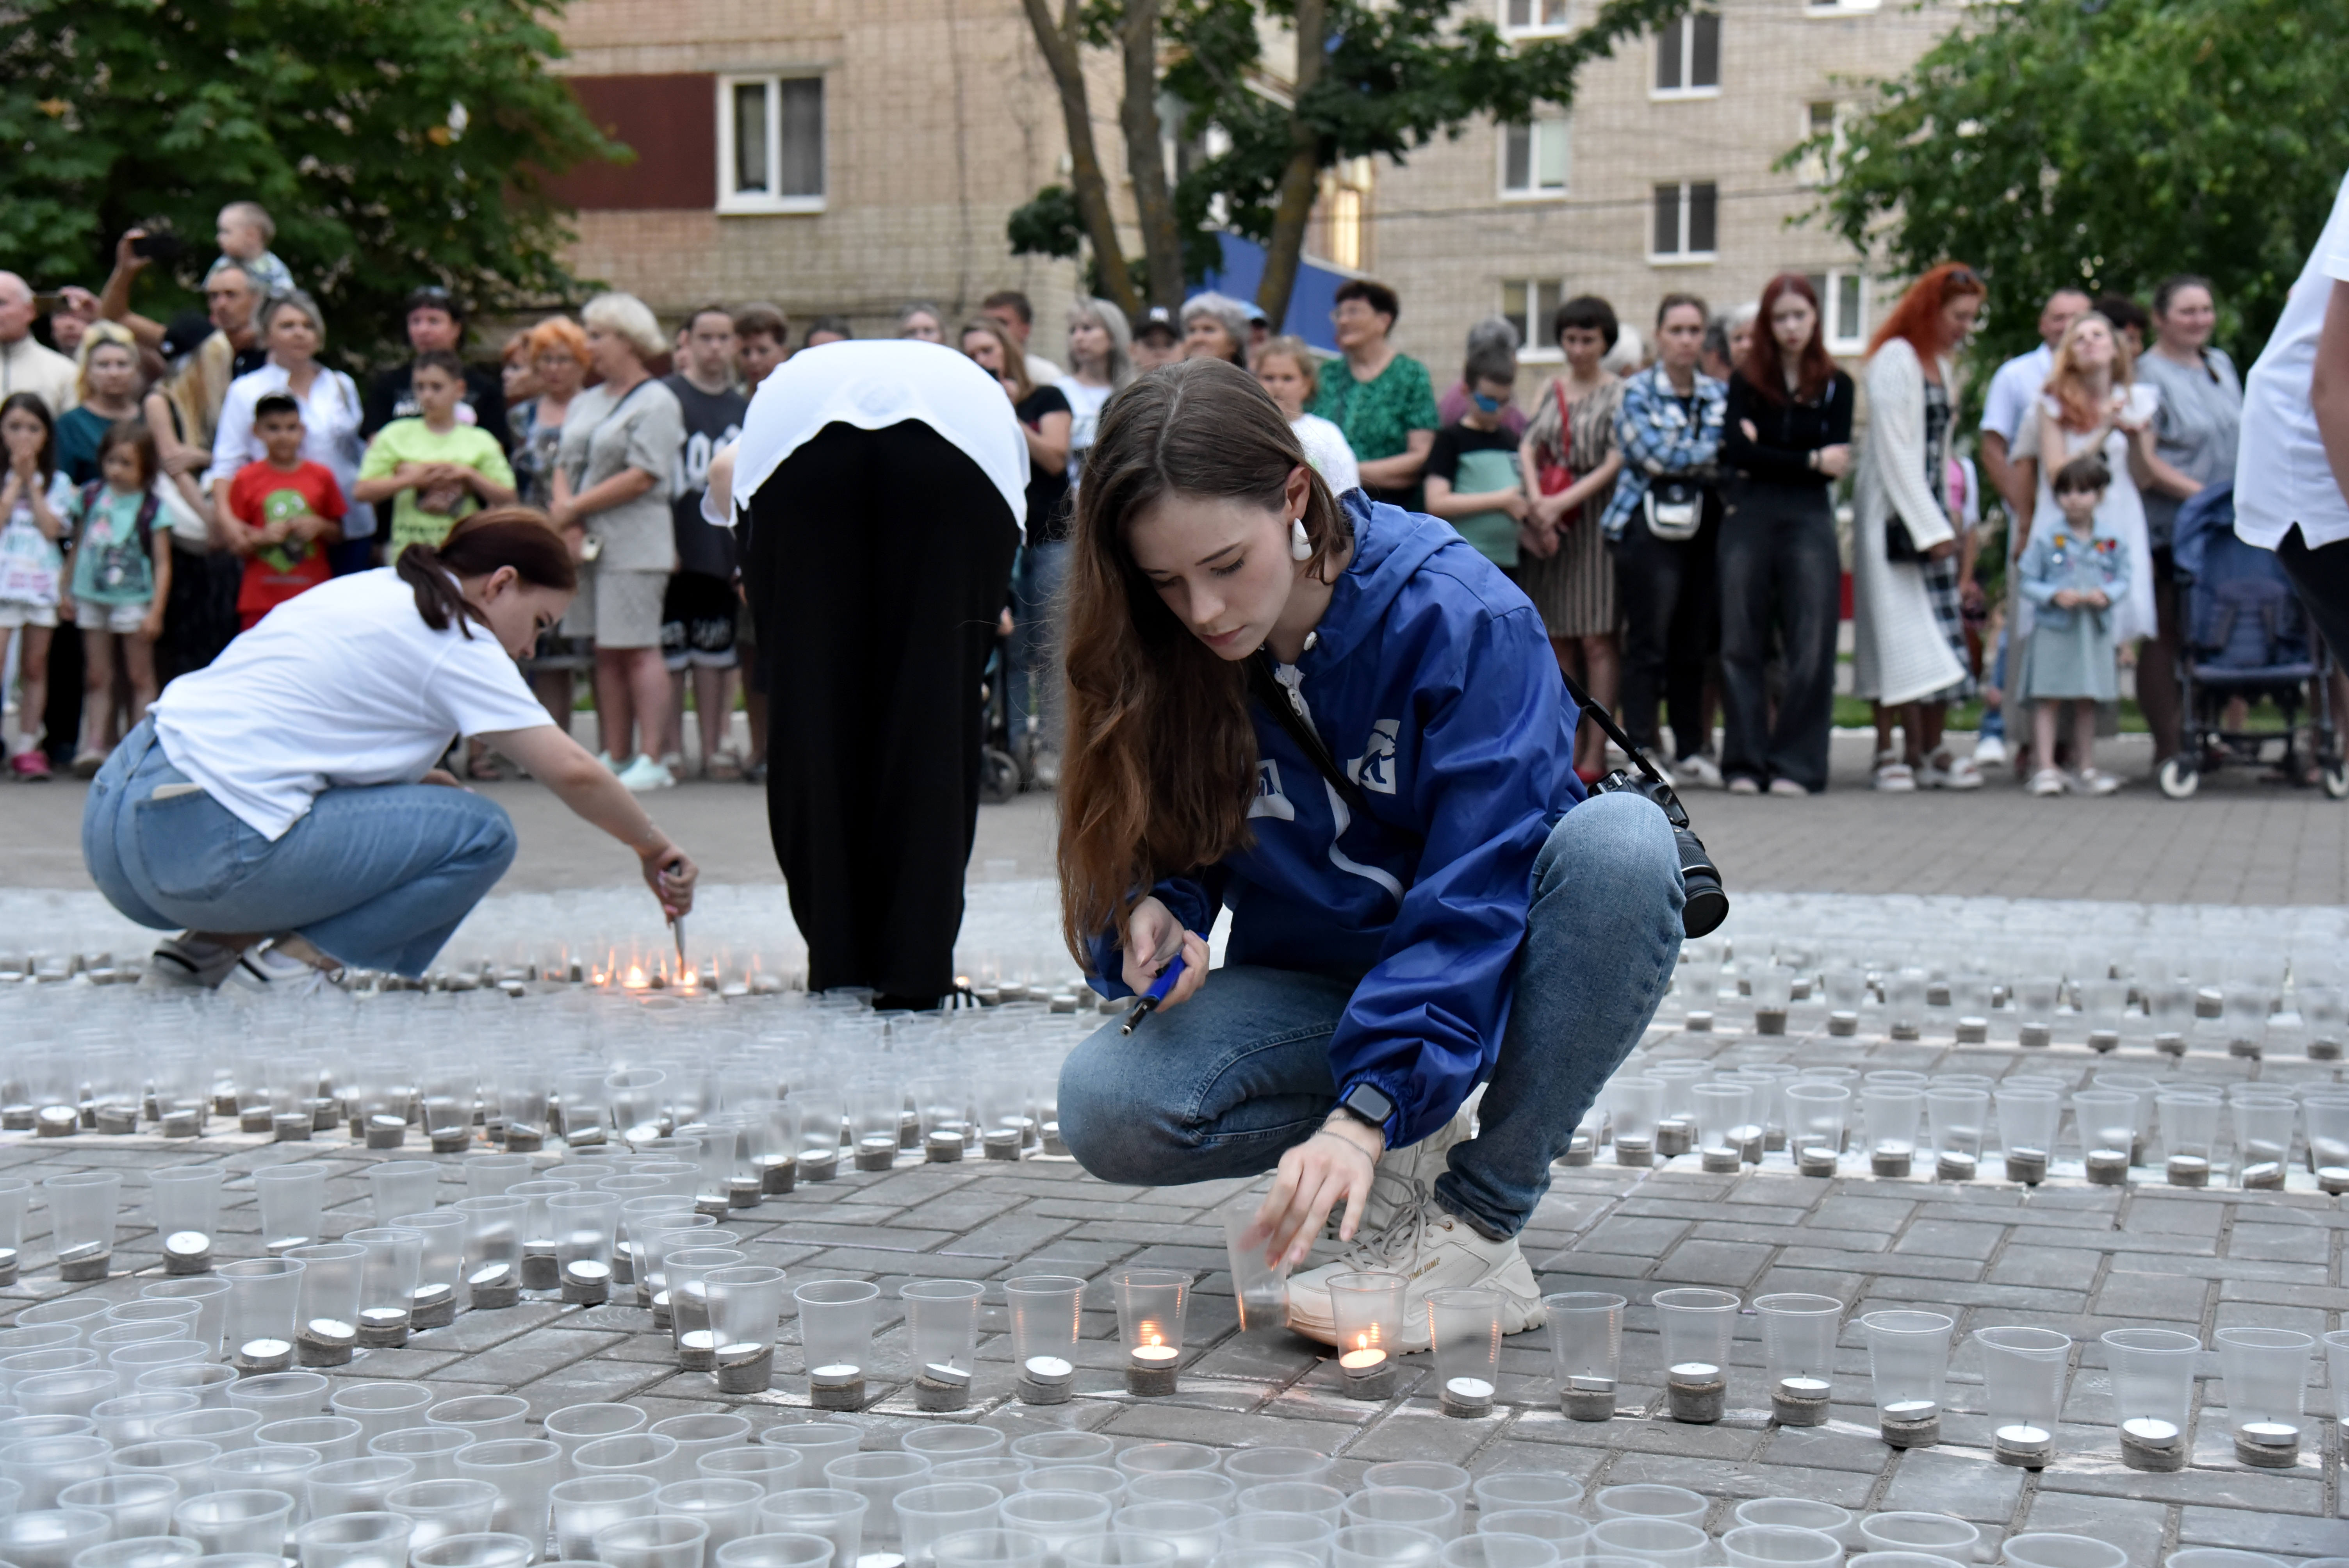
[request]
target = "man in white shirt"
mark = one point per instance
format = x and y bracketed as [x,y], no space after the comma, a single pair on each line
[2015,392]
[2292,468]
[25,364]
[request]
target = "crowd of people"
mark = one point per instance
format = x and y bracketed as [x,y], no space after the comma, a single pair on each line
[1668,501]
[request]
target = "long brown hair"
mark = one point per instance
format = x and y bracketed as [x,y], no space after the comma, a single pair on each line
[1918,315]
[1160,761]
[2068,384]
[1766,365]
[516,536]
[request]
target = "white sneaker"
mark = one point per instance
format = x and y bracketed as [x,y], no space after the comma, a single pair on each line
[183,961]
[1405,1173]
[1697,769]
[1432,1249]
[2095,781]
[1989,751]
[264,968]
[2047,781]
[644,775]
[606,758]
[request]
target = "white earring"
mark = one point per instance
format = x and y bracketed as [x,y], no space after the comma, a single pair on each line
[1299,547]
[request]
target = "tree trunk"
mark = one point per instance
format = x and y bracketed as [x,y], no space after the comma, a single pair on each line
[1145,159]
[1300,178]
[1059,43]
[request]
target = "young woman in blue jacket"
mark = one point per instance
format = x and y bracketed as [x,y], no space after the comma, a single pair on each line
[1469,921]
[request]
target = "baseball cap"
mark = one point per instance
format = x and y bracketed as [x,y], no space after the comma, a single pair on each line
[1157,318]
[187,330]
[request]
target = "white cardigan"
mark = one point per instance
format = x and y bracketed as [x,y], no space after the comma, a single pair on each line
[1898,655]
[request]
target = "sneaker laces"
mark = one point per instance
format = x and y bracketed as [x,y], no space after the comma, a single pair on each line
[1400,1242]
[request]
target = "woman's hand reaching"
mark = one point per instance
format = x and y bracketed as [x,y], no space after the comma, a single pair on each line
[1154,939]
[1332,1167]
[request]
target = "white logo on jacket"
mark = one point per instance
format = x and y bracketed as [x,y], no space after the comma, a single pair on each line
[1269,801]
[1374,769]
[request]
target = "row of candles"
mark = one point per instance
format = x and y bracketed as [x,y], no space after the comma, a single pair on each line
[1904,1123]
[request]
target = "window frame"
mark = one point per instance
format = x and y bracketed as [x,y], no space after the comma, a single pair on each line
[1841,8]
[1681,32]
[1684,257]
[1534,193]
[1532,349]
[734,202]
[1534,29]
[1828,283]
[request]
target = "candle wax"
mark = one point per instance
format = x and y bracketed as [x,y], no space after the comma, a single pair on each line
[1155,1355]
[2150,1431]
[1470,1388]
[1360,1361]
[1048,1368]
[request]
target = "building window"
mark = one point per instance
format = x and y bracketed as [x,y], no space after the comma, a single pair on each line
[1833,7]
[1528,306]
[1685,220]
[1688,56]
[1339,231]
[1843,298]
[1534,158]
[1533,16]
[770,144]
[1822,127]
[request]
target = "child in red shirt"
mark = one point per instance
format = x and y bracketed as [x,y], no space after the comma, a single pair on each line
[290,511]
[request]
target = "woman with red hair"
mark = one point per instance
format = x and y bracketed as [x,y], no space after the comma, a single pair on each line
[1908,563]
[1785,439]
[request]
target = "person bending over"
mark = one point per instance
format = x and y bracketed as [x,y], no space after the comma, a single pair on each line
[1425,903]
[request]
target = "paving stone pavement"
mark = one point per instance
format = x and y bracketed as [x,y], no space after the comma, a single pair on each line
[2064,1255]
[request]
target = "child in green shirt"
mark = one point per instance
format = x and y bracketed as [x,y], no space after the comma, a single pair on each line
[433,469]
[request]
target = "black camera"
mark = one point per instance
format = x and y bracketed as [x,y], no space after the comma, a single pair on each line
[1706,905]
[159,247]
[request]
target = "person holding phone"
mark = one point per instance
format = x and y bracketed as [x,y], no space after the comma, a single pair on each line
[1339,721]
[285,808]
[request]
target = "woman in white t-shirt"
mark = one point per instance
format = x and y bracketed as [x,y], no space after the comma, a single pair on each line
[285,808]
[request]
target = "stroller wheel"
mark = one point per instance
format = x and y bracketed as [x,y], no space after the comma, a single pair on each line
[2179,779]
[999,777]
[2336,781]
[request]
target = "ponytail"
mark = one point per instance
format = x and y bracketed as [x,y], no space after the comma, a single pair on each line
[516,536]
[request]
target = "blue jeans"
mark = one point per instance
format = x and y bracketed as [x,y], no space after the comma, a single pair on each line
[1035,642]
[1993,719]
[1223,1085]
[373,878]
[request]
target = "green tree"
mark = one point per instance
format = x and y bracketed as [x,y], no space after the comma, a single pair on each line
[1367,78]
[396,143]
[2106,146]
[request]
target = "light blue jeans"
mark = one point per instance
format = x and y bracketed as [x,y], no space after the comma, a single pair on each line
[373,878]
[1223,1085]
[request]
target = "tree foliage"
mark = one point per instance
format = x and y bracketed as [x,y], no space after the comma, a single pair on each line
[396,143]
[2106,144]
[1369,78]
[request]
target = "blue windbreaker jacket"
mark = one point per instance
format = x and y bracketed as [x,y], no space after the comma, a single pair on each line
[1432,682]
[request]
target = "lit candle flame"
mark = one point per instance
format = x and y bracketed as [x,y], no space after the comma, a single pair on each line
[1362,1342]
[635,979]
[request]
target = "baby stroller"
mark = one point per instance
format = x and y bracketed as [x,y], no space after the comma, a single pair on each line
[999,770]
[2245,635]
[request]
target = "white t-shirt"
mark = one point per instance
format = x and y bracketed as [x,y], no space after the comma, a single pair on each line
[1331,455]
[2281,474]
[2014,395]
[873,384]
[1085,406]
[343,687]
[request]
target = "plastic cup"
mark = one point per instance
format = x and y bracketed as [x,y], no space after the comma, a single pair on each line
[50,1537]
[1940,1534]
[696,1436]
[280,1396]
[1503,1490]
[1326,1502]
[82,1207]
[2023,1384]
[879,1478]
[524,1471]
[773,1469]
[381,1408]
[1798,1345]
[930,1513]
[1045,1450]
[292,1200]
[44,1467]
[990,1548]
[1649,1502]
[1465,1327]
[575,1426]
[1891,1112]
[223,1521]
[745,1303]
[1798,1513]
[1696,1327]
[1780,1546]
[209,1292]
[208,1382]
[487,1549]
[2336,1357]
[942,1330]
[835,1328]
[78,1310]
[355,1541]
[2264,1369]
[74,1393]
[1151,1303]
[1262,1466]
[439,1508]
[2050,1549]
[1414,1508]
[403,1187]
[489,1175]
[182,1459]
[1666,1542]
[133,1505]
[1816,1116]
[1569,1532]
[1059,1519]
[729,1508]
[1192,1529]
[1208,1486]
[264,1293]
[776,1550]
[388,1280]
[1908,1362]
[257,1468]
[586,1505]
[140,1551]
[130,1419]
[1483,1550]
[663,1541]
[433,1450]
[1382,1546]
[834,1514]
[633,1453]
[1261,1289]
[331,1438]
[484,1418]
[356,1486]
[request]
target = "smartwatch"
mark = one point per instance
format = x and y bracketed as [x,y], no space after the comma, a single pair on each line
[1368,1105]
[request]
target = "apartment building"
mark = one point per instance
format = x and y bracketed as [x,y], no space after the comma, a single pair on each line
[846,157]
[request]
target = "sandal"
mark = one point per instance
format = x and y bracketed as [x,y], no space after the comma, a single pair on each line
[1893,775]
[1943,772]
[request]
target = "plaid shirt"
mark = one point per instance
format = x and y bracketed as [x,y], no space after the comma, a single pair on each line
[1657,436]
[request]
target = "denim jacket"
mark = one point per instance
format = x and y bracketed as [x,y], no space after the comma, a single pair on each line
[2058,558]
[1657,436]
